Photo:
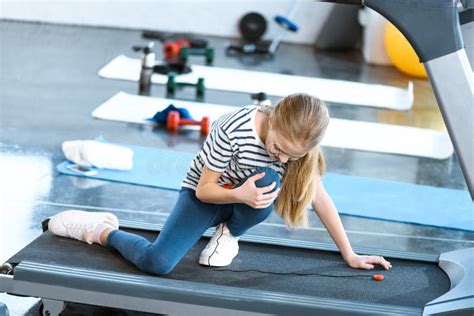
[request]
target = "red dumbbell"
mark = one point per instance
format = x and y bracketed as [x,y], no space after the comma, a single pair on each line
[173,121]
[171,49]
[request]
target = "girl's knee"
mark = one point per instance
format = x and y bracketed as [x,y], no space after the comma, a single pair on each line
[270,177]
[158,264]
[158,268]
[161,270]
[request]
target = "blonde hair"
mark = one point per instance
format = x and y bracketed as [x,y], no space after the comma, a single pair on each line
[300,118]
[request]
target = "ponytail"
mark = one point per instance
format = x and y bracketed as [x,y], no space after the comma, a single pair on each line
[299,187]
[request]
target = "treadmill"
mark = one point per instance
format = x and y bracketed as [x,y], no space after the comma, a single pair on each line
[275,275]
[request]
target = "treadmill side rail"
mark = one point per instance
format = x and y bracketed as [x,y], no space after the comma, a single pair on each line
[166,296]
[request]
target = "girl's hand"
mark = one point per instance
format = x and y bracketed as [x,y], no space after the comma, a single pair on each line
[255,197]
[367,262]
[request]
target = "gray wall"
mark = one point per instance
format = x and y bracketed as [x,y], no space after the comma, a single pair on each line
[203,17]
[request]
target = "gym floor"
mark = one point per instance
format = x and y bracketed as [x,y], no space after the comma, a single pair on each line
[49,87]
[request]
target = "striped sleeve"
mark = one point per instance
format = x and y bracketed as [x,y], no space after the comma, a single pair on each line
[216,150]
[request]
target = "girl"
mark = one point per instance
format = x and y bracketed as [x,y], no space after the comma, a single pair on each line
[234,183]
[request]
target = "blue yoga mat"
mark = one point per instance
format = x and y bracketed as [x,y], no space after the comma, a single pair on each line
[357,196]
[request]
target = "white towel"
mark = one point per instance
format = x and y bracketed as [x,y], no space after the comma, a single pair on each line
[89,153]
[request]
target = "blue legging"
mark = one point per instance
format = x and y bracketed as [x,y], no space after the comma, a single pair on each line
[184,227]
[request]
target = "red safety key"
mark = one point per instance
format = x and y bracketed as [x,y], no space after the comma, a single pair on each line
[378,277]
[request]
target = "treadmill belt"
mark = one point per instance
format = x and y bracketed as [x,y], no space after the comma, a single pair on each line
[408,283]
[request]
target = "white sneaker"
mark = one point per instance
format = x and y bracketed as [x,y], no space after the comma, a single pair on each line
[79,224]
[221,249]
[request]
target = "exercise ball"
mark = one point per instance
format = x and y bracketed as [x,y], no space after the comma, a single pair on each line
[400,52]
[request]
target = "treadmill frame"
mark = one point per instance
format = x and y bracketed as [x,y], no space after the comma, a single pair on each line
[56,285]
[53,283]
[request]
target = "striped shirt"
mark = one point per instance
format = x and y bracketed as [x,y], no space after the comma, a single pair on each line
[232,148]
